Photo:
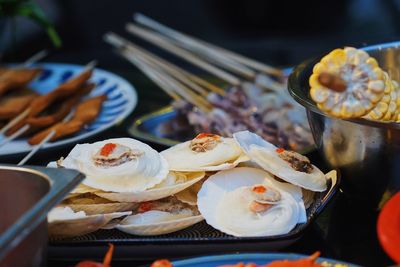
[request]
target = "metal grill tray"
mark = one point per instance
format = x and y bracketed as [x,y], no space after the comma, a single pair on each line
[197,239]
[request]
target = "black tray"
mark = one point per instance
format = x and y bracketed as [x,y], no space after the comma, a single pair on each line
[198,239]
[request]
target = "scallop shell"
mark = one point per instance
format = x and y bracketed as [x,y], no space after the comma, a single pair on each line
[154,193]
[63,228]
[189,195]
[157,228]
[217,186]
[92,209]
[138,174]
[225,155]
[265,155]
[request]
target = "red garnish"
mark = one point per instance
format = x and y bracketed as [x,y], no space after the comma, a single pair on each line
[107,149]
[145,206]
[204,135]
[162,263]
[106,260]
[259,189]
[280,150]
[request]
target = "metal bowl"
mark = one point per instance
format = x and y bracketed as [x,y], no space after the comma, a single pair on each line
[366,152]
[26,195]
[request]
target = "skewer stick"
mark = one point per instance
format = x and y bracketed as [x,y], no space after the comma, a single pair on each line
[168,84]
[147,71]
[156,39]
[204,46]
[15,135]
[120,42]
[35,58]
[44,141]
[37,147]
[15,121]
[153,61]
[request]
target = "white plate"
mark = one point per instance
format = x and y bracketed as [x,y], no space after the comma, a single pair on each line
[122,99]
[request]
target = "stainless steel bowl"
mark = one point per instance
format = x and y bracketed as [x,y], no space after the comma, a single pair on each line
[26,195]
[367,153]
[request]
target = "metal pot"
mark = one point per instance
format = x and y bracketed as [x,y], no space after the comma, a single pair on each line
[366,152]
[26,195]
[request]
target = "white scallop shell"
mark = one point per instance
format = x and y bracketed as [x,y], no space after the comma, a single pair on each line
[265,155]
[92,209]
[155,228]
[225,155]
[156,192]
[72,224]
[189,195]
[136,175]
[219,185]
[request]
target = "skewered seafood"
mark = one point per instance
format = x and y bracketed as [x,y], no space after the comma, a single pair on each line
[251,108]
[348,83]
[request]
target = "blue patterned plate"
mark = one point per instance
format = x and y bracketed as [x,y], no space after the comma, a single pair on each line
[121,100]
[214,261]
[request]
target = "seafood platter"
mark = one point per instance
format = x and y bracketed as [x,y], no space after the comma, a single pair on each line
[50,104]
[227,190]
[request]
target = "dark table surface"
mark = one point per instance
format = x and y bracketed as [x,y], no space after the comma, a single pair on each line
[346,229]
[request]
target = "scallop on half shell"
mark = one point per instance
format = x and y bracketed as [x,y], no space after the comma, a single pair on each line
[174,183]
[166,216]
[206,152]
[226,202]
[64,222]
[127,165]
[92,204]
[287,165]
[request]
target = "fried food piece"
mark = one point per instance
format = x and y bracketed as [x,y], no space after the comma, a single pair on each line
[89,109]
[17,78]
[65,107]
[85,113]
[39,122]
[12,105]
[61,129]
[43,102]
[68,88]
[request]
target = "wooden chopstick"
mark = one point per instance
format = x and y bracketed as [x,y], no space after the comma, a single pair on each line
[204,46]
[161,42]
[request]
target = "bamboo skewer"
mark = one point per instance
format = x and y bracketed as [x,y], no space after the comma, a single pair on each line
[170,85]
[15,135]
[201,45]
[162,43]
[174,70]
[37,147]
